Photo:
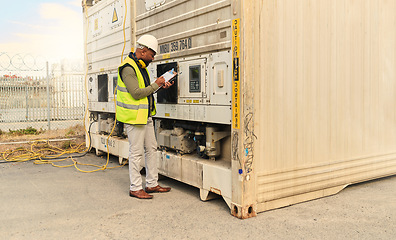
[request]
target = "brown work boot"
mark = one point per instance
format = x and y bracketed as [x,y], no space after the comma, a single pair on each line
[158,188]
[140,194]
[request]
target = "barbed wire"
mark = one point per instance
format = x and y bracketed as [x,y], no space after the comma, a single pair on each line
[21,62]
[28,63]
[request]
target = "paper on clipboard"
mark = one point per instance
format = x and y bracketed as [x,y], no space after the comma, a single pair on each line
[169,75]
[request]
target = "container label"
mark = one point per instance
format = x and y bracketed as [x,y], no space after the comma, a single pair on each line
[175,46]
[103,141]
[96,24]
[236,73]
[115,17]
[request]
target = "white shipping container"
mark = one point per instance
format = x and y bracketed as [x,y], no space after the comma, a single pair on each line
[296,99]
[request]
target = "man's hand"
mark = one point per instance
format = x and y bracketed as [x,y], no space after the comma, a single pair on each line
[168,84]
[160,81]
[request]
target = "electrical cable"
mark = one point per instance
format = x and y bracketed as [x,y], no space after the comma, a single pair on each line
[114,98]
[114,93]
[86,68]
[39,155]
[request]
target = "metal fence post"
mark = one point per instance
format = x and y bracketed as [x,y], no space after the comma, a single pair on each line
[48,100]
[27,101]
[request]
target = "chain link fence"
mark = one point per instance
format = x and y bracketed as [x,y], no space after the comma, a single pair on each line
[39,94]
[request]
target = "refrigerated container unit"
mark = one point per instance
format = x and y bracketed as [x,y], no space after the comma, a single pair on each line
[276,102]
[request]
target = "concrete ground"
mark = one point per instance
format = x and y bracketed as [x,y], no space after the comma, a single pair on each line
[44,202]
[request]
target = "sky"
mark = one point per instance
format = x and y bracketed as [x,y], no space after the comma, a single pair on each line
[51,29]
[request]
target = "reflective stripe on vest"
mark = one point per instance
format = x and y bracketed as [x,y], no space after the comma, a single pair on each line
[122,89]
[133,107]
[128,109]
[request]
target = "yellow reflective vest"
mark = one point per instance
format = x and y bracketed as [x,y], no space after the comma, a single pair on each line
[128,109]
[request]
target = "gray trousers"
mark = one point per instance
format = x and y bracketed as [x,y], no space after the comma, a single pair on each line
[142,145]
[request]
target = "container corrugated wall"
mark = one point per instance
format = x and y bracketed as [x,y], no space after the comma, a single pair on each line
[323,78]
[186,28]
[105,27]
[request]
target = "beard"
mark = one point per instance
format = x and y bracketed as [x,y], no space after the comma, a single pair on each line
[146,62]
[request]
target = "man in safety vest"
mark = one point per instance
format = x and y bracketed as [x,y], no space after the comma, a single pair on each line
[135,106]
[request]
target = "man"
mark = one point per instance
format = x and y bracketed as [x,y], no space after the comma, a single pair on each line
[135,107]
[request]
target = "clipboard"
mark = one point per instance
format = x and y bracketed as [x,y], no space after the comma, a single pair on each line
[169,76]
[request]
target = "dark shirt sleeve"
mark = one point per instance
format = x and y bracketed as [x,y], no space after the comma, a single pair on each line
[131,82]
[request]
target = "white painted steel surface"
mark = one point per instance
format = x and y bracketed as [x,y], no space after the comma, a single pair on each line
[322,77]
[312,87]
[187,28]
[105,35]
